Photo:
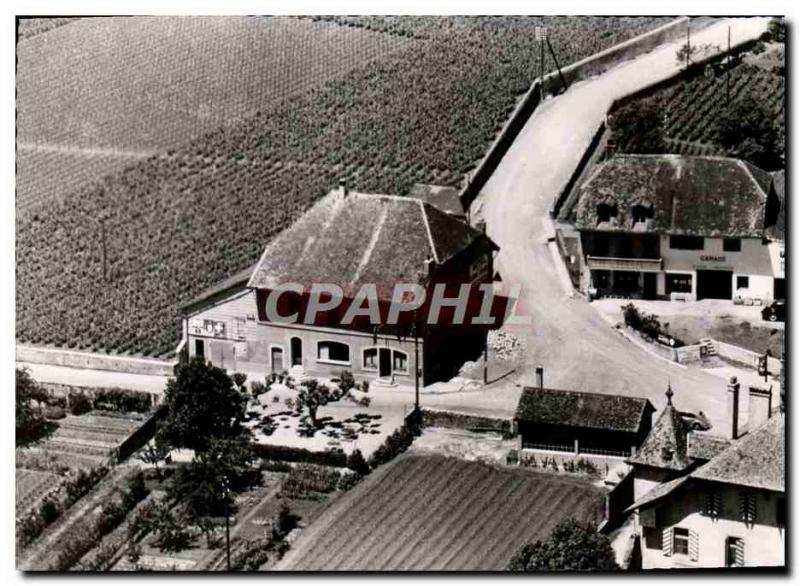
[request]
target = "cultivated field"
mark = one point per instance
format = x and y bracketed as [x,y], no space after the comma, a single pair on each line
[691,107]
[425,512]
[103,90]
[183,220]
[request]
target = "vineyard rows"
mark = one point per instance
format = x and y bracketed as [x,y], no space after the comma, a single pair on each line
[182,220]
[432,513]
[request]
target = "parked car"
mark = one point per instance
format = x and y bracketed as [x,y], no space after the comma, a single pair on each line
[775,311]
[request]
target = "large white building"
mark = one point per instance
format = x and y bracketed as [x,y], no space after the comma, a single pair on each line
[705,501]
[669,226]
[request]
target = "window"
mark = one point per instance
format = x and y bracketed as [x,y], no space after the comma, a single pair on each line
[200,348]
[605,212]
[742,282]
[780,511]
[399,361]
[336,352]
[686,242]
[734,552]
[680,541]
[641,213]
[678,283]
[240,328]
[732,244]
[370,359]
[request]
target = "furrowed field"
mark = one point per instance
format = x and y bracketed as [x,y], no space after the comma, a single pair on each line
[432,513]
[181,220]
[94,105]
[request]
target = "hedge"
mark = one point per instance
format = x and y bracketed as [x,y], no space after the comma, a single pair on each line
[290,454]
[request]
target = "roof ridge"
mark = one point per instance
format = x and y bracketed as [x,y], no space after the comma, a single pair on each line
[593,393]
[428,229]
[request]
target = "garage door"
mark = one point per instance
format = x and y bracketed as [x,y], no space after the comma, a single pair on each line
[714,284]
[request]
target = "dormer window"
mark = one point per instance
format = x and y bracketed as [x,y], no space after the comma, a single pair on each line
[605,212]
[640,213]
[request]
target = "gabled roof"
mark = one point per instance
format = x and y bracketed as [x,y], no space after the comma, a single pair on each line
[581,409]
[362,238]
[756,460]
[702,196]
[442,197]
[665,445]
[236,282]
[658,492]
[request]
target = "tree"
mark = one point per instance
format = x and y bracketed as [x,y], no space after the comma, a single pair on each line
[153,453]
[639,128]
[312,395]
[570,547]
[747,131]
[202,405]
[357,463]
[201,483]
[30,424]
[776,30]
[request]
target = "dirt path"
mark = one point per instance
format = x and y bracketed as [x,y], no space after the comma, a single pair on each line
[574,344]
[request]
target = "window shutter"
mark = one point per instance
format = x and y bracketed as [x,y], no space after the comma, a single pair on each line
[747,508]
[666,541]
[713,504]
[694,546]
[740,553]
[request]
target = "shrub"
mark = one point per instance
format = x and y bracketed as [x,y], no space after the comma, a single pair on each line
[346,381]
[79,404]
[49,510]
[396,443]
[257,388]
[54,413]
[289,454]
[357,463]
[110,516]
[123,400]
[348,480]
[304,479]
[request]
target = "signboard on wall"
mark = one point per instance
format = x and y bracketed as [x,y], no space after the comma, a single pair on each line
[207,327]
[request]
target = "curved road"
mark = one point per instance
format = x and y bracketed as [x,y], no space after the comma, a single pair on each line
[575,345]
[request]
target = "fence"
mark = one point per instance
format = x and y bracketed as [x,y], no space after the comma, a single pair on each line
[453,420]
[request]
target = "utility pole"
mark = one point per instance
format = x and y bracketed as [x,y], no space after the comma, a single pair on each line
[416,365]
[103,245]
[688,44]
[226,491]
[728,72]
[540,35]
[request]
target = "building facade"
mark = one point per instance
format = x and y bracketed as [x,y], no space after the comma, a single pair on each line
[705,501]
[350,240]
[675,227]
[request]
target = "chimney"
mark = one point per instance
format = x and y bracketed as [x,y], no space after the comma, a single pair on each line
[430,266]
[760,407]
[343,187]
[540,377]
[733,406]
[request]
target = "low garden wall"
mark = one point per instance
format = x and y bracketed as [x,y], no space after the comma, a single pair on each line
[453,420]
[94,361]
[552,83]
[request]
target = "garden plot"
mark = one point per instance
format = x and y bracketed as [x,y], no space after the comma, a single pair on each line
[32,486]
[342,425]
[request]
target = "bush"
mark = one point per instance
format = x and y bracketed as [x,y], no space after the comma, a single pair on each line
[257,388]
[49,510]
[395,444]
[79,404]
[122,400]
[54,413]
[357,463]
[348,480]
[304,479]
[111,515]
[333,458]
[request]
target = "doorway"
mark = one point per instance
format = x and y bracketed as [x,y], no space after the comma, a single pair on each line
[297,352]
[384,362]
[649,287]
[276,358]
[714,284]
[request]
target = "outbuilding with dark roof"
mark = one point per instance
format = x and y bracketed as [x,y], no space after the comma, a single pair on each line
[582,422]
